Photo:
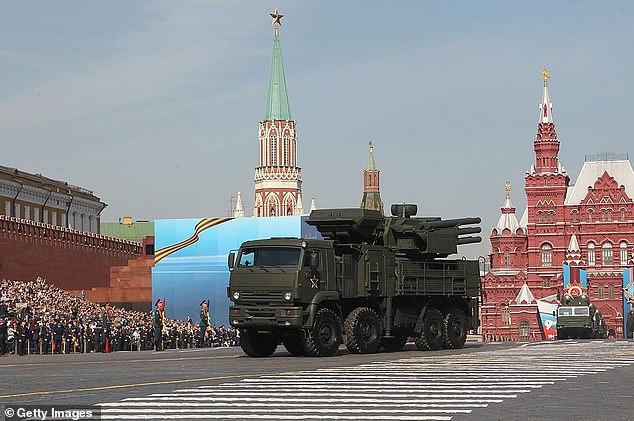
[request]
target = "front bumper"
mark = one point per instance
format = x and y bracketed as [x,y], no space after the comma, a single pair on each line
[266,317]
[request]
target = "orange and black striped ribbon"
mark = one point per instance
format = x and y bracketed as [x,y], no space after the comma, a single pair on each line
[200,227]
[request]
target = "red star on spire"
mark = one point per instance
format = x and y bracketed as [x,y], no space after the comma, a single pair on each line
[277,21]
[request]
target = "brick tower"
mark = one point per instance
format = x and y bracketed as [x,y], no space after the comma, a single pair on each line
[371,193]
[278,179]
[546,187]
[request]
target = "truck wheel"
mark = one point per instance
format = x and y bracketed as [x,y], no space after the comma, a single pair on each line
[431,336]
[324,338]
[363,331]
[455,326]
[256,344]
[394,344]
[294,345]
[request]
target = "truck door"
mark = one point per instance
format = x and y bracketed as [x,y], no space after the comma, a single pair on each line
[314,272]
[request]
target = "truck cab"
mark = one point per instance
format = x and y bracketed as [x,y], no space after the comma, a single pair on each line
[274,281]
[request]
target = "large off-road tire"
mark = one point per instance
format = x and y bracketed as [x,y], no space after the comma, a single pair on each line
[256,344]
[395,343]
[455,328]
[324,338]
[431,336]
[363,331]
[294,345]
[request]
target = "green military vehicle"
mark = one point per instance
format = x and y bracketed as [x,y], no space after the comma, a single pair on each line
[373,282]
[578,318]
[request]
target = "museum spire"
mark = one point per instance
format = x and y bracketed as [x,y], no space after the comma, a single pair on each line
[546,144]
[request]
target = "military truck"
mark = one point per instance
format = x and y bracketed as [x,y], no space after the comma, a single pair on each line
[578,318]
[372,282]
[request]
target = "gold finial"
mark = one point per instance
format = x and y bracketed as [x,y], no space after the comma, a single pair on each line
[545,75]
[277,21]
[507,186]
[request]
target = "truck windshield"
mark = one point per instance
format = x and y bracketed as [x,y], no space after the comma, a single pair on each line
[269,256]
[565,311]
[582,311]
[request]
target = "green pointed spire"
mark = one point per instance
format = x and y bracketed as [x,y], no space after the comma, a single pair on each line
[371,166]
[277,100]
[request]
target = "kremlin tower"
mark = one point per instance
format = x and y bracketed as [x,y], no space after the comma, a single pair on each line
[371,193]
[278,179]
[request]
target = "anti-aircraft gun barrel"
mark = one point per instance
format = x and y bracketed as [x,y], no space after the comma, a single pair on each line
[469,230]
[469,240]
[451,223]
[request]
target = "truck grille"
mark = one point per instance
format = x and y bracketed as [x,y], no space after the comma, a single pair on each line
[261,297]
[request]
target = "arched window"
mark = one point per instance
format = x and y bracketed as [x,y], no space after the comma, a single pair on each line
[525,330]
[273,150]
[623,253]
[601,292]
[608,258]
[539,217]
[575,216]
[507,259]
[591,255]
[287,158]
[622,215]
[609,211]
[547,255]
[611,292]
[590,215]
[604,215]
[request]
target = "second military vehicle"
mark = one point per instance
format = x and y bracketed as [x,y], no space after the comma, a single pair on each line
[373,282]
[578,318]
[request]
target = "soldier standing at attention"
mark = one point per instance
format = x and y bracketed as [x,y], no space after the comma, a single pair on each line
[106,320]
[204,322]
[159,316]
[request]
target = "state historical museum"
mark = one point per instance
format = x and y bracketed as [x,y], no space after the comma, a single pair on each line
[589,225]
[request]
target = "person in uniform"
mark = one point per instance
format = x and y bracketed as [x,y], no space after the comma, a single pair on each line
[159,318]
[106,320]
[205,326]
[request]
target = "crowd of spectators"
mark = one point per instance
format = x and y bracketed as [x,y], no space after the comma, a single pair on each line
[38,318]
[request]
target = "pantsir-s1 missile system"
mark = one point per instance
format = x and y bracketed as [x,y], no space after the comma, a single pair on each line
[373,282]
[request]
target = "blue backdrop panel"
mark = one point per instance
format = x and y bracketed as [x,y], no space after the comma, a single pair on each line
[197,269]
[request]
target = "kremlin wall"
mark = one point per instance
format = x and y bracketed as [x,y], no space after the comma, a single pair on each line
[52,229]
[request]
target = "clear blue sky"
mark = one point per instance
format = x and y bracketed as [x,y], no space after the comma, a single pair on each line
[154,105]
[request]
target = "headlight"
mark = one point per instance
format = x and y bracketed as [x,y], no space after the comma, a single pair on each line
[288,296]
[236,295]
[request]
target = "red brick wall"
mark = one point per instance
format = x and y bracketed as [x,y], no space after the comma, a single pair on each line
[70,259]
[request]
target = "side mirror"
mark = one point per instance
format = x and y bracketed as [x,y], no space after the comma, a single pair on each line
[231,260]
[314,261]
